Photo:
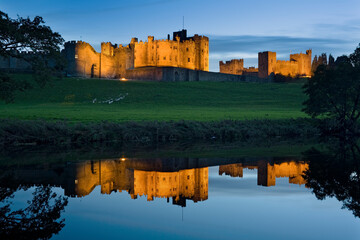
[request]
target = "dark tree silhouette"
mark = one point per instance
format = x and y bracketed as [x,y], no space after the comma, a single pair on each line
[24,34]
[334,92]
[335,173]
[39,220]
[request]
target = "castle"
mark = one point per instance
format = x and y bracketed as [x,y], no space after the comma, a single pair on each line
[114,60]
[181,179]
[298,65]
[181,59]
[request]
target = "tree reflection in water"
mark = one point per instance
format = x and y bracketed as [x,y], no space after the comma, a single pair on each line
[40,219]
[335,173]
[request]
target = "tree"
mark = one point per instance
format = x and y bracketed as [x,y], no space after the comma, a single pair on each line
[334,92]
[24,34]
[322,60]
[40,219]
[335,173]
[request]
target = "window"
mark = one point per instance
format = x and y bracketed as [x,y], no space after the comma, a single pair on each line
[187,49]
[175,58]
[164,58]
[188,59]
[188,177]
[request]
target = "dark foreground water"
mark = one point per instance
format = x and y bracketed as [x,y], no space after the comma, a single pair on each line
[312,195]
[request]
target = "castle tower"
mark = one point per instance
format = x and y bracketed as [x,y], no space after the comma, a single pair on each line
[151,52]
[267,63]
[107,48]
[202,52]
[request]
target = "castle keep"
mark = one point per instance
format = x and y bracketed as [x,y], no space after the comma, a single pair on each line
[113,61]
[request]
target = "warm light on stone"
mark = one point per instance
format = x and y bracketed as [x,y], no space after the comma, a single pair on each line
[114,60]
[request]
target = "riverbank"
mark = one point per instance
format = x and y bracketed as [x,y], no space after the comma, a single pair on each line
[39,132]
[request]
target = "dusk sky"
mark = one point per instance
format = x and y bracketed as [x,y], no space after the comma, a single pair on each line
[237,29]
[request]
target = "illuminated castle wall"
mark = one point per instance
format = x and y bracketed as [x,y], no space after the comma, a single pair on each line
[299,64]
[191,53]
[113,60]
[268,173]
[236,66]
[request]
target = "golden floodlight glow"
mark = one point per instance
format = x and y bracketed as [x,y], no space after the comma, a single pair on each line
[123,79]
[123,159]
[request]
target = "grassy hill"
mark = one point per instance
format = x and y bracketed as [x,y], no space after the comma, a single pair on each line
[74,100]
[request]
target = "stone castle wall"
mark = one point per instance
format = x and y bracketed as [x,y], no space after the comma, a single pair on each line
[299,64]
[12,64]
[172,74]
[236,67]
[113,61]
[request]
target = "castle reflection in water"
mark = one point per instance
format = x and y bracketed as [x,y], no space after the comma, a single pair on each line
[179,179]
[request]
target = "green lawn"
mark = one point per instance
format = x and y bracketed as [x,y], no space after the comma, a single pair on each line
[72,99]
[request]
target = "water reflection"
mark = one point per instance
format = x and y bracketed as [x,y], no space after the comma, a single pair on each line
[335,173]
[182,182]
[267,173]
[178,178]
[39,219]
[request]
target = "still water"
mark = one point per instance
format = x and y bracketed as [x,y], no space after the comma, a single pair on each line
[308,196]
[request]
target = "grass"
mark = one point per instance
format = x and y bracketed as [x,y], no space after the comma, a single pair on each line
[72,99]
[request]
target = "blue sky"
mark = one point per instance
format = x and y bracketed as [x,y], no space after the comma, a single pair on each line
[237,28]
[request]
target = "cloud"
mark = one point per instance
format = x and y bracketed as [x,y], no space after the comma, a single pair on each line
[247,47]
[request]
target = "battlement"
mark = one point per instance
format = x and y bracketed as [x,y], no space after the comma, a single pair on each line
[114,60]
[299,64]
[236,67]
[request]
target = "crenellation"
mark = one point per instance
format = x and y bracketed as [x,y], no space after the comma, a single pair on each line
[236,67]
[113,61]
[298,65]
